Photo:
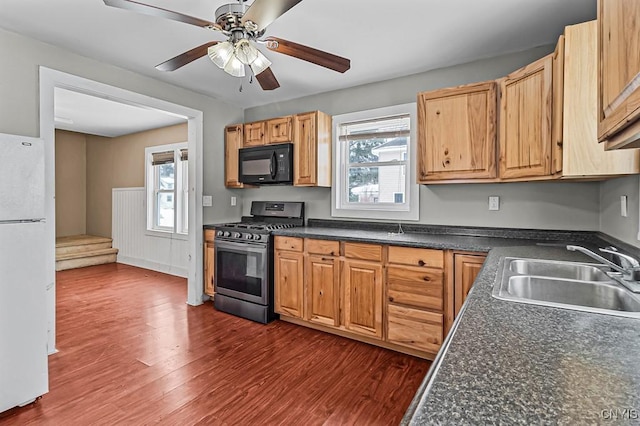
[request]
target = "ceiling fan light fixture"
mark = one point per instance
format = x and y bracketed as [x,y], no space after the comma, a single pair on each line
[245,51]
[260,64]
[221,53]
[234,67]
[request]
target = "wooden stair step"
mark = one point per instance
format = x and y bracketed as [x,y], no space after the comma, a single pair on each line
[81,243]
[90,258]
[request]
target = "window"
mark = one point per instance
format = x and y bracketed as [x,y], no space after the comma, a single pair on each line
[167,187]
[374,164]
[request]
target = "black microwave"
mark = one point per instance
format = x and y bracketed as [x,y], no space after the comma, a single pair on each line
[269,164]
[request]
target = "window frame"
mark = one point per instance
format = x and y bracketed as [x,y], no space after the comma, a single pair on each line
[340,207]
[179,229]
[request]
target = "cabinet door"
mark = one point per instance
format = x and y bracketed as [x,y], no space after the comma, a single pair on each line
[254,134]
[363,298]
[323,294]
[288,283]
[414,328]
[279,130]
[457,133]
[304,151]
[525,121]
[232,143]
[466,270]
[619,72]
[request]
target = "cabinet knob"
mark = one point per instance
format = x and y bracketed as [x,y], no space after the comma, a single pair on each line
[321,293]
[421,262]
[390,299]
[427,279]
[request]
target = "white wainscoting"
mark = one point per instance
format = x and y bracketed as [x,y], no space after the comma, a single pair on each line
[168,254]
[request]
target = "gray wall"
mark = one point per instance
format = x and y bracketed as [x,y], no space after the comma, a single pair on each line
[547,205]
[611,221]
[19,103]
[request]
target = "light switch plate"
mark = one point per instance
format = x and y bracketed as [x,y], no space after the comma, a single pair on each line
[234,201]
[624,206]
[207,201]
[494,203]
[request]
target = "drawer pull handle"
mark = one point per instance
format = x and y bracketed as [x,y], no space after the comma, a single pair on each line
[421,262]
[390,299]
[327,259]
[427,279]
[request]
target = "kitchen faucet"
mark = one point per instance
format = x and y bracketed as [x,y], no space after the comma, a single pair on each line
[628,272]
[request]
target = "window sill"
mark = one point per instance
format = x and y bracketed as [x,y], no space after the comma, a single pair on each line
[166,234]
[363,214]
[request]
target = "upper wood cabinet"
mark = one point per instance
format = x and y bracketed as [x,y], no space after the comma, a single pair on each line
[233,140]
[457,133]
[619,73]
[254,133]
[312,149]
[525,121]
[577,153]
[279,130]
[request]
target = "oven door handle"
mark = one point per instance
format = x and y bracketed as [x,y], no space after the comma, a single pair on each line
[245,246]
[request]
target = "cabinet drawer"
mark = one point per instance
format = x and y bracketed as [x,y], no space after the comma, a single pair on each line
[414,328]
[209,235]
[330,248]
[416,256]
[363,251]
[418,287]
[288,243]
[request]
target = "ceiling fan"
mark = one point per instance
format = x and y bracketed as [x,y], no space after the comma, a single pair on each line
[243,26]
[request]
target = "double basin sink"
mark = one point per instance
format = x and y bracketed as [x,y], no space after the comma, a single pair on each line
[570,285]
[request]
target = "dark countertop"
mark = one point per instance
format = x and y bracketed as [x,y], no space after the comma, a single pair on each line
[514,363]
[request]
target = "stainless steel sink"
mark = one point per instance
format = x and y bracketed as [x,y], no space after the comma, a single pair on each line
[568,270]
[569,285]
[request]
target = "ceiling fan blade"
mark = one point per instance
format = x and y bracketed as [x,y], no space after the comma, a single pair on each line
[267,80]
[159,12]
[185,58]
[309,54]
[264,12]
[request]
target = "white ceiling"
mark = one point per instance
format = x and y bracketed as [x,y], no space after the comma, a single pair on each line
[83,113]
[384,39]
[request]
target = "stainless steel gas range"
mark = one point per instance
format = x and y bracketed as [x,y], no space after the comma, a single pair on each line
[244,259]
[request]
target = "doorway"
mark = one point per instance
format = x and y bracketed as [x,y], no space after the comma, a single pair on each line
[50,80]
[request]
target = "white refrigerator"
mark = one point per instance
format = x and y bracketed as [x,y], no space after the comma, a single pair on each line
[23,322]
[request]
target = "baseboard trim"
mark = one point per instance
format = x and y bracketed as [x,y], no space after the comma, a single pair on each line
[154,266]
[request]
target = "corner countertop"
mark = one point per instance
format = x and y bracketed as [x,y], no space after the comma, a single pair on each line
[514,363]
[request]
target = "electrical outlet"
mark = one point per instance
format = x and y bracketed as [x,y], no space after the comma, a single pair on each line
[624,207]
[207,201]
[494,203]
[234,201]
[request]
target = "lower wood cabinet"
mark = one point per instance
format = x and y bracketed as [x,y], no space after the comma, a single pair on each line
[401,298]
[363,297]
[209,261]
[323,290]
[466,269]
[289,281]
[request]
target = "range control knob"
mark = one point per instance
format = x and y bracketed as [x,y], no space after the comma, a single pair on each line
[220,233]
[226,234]
[236,235]
[247,236]
[257,236]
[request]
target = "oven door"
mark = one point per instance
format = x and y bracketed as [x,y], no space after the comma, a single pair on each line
[242,271]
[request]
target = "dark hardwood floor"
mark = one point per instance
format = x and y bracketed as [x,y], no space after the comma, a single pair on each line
[131,351]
